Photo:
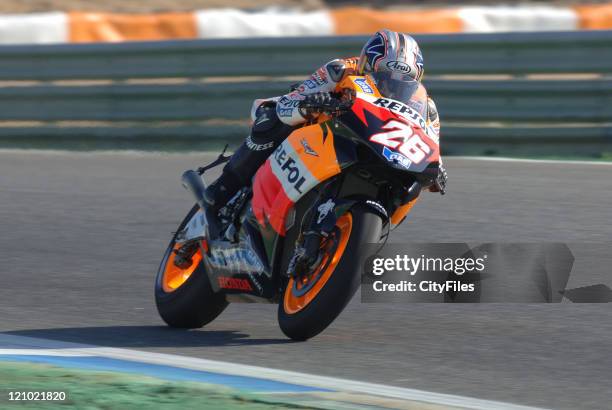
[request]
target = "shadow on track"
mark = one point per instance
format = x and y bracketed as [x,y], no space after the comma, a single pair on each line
[146,336]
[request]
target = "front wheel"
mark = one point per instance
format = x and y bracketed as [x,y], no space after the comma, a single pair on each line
[184,296]
[311,303]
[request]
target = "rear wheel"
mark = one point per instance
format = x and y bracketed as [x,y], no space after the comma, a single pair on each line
[312,302]
[183,295]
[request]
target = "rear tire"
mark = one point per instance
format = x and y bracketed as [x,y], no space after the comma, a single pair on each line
[339,289]
[193,304]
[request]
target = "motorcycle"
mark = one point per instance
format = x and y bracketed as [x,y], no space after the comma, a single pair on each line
[297,237]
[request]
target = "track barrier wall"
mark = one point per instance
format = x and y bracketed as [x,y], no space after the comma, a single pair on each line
[504,92]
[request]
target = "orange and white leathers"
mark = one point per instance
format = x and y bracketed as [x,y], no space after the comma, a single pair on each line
[325,79]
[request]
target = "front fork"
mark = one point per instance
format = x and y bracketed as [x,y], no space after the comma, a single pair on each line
[317,225]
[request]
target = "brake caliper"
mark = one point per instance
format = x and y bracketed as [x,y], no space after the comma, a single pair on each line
[307,255]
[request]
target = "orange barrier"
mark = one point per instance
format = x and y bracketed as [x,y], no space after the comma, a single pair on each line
[92,27]
[358,20]
[80,27]
[594,17]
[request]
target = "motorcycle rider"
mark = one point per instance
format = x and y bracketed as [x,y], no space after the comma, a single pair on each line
[275,118]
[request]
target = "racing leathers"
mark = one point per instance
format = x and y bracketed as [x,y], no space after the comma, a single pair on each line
[273,120]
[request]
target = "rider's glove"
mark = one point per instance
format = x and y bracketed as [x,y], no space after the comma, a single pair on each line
[321,102]
[440,184]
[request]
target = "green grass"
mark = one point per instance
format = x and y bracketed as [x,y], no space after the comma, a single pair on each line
[91,390]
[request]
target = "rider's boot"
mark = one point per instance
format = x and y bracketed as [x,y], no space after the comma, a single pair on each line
[216,196]
[267,133]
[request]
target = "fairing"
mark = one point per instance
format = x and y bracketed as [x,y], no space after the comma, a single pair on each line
[397,131]
[305,159]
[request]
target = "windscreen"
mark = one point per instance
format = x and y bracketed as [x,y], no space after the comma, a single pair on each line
[402,88]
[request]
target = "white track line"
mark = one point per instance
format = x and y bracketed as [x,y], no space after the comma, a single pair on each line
[43,352]
[27,345]
[533,161]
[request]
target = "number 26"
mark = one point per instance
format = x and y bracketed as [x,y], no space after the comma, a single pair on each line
[401,137]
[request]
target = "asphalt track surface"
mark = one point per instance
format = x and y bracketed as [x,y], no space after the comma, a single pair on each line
[82,235]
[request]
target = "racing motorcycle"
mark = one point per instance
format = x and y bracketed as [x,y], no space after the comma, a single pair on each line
[297,237]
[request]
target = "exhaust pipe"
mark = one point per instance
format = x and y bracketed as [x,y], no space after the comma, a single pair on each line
[193,182]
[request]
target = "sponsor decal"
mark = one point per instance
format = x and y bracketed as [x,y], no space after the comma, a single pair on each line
[324,209]
[399,66]
[320,77]
[310,84]
[307,148]
[402,109]
[285,112]
[378,206]
[235,259]
[225,282]
[396,157]
[364,86]
[258,147]
[287,175]
[289,168]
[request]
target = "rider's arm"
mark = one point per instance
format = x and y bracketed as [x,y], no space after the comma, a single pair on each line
[324,79]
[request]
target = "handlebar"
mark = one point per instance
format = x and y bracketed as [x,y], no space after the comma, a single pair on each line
[329,103]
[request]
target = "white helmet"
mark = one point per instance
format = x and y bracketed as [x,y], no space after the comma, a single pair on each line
[392,52]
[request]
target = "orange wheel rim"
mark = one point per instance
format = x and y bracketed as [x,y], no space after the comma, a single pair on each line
[174,276]
[294,300]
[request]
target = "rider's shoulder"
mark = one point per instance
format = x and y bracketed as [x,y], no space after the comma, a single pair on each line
[339,68]
[425,91]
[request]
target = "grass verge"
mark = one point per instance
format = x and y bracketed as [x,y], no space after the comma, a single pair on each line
[94,390]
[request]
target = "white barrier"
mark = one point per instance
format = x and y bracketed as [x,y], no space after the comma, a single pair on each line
[39,28]
[524,18]
[230,23]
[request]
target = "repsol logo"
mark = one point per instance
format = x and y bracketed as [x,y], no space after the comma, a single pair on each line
[290,169]
[403,109]
[399,66]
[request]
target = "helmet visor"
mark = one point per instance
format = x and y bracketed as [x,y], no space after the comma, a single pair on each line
[401,87]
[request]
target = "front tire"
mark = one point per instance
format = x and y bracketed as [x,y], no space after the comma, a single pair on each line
[184,297]
[306,311]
